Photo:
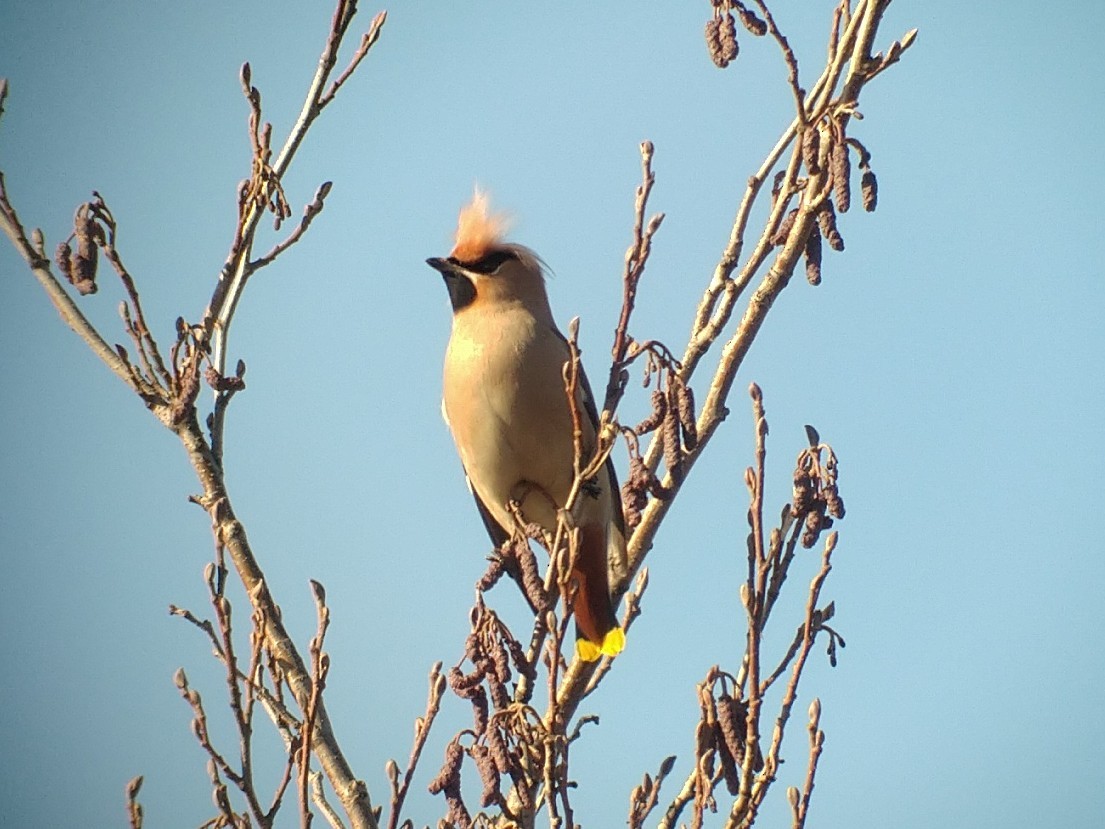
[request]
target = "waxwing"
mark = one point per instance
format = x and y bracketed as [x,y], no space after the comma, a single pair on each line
[506,406]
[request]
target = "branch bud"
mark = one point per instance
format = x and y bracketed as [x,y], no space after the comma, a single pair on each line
[666,767]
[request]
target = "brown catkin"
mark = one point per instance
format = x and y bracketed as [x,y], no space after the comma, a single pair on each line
[464,685]
[833,502]
[501,660]
[730,717]
[685,400]
[802,496]
[532,583]
[484,667]
[780,236]
[490,578]
[500,696]
[751,22]
[728,766]
[522,791]
[518,657]
[841,168]
[728,37]
[472,648]
[82,271]
[449,776]
[656,416]
[869,188]
[826,220]
[713,42]
[813,527]
[813,257]
[61,257]
[82,264]
[500,754]
[635,492]
[457,814]
[673,451]
[480,711]
[488,774]
[811,146]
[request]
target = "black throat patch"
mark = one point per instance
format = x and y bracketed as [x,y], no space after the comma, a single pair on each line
[462,292]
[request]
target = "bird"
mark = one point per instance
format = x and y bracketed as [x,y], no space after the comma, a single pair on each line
[505,404]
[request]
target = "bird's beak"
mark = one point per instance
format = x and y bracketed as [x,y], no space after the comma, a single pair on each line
[443,265]
[462,292]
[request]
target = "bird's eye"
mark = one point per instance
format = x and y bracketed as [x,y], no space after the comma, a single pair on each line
[491,262]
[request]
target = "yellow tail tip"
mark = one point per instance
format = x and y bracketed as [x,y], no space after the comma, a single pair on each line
[613,643]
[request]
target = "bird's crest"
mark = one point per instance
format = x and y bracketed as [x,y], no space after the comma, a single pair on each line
[478,229]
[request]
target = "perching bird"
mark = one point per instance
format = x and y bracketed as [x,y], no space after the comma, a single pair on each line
[505,403]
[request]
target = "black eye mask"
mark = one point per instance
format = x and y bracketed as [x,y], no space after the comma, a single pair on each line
[487,264]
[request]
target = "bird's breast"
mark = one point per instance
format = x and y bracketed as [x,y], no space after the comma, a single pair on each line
[506,406]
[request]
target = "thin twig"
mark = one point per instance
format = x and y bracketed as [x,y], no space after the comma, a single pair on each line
[236,270]
[421,733]
[319,797]
[636,257]
[817,743]
[309,213]
[367,40]
[320,666]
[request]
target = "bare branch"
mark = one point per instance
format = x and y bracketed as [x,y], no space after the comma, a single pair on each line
[170,389]
[40,267]
[367,40]
[236,271]
[230,532]
[636,257]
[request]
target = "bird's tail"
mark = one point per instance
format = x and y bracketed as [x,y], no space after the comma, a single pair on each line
[596,625]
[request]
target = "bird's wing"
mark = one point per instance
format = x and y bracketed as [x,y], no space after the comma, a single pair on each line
[494,528]
[592,412]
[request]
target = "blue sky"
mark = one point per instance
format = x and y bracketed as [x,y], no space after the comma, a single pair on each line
[951,356]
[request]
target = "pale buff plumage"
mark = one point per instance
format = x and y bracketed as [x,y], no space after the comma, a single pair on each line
[505,404]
